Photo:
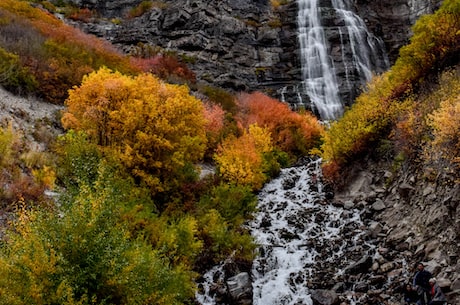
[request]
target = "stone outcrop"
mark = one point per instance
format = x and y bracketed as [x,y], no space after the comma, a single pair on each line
[245,45]
[407,216]
[420,223]
[392,20]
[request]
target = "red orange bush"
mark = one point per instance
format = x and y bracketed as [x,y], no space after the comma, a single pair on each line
[292,132]
[166,67]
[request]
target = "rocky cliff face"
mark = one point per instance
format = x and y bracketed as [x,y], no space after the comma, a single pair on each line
[413,215]
[392,20]
[246,45]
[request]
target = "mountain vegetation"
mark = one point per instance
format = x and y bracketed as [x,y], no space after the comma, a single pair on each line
[404,111]
[114,210]
[128,220]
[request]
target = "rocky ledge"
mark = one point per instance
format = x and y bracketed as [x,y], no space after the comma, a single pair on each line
[406,216]
[412,215]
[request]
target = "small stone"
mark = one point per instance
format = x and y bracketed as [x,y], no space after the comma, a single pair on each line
[378,205]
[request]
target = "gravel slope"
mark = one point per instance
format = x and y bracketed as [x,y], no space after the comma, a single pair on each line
[27,114]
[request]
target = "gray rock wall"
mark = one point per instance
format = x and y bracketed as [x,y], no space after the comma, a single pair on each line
[414,216]
[244,45]
[392,20]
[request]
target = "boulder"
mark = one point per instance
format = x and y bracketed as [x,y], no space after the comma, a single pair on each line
[240,287]
[378,205]
[360,266]
[324,297]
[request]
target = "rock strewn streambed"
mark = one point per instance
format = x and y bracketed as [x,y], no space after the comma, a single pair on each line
[382,224]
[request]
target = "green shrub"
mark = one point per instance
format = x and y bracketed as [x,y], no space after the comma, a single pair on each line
[13,76]
[234,203]
[83,255]
[221,241]
[220,97]
[141,9]
[78,160]
[220,214]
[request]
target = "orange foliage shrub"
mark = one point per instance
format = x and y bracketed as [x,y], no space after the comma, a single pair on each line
[291,132]
[166,67]
[157,129]
[241,160]
[410,129]
[215,117]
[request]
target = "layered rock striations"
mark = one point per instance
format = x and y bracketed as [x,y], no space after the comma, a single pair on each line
[249,45]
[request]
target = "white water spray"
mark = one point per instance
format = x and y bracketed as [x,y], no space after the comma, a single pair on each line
[298,234]
[363,54]
[318,74]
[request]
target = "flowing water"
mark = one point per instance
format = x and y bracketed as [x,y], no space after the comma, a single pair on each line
[318,73]
[299,235]
[361,54]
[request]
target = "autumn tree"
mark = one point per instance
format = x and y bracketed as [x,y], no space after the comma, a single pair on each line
[242,160]
[156,129]
[292,132]
[84,253]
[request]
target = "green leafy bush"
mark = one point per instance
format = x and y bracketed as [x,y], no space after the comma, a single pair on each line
[13,76]
[83,254]
[78,160]
[234,203]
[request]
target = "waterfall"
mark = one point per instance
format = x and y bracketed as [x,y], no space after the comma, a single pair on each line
[299,235]
[325,75]
[318,74]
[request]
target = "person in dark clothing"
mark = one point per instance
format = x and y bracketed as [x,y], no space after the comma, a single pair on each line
[410,295]
[421,284]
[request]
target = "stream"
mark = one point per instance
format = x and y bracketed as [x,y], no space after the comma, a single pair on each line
[302,240]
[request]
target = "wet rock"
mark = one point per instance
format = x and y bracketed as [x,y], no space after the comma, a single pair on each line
[348,205]
[377,280]
[361,287]
[240,288]
[360,266]
[324,297]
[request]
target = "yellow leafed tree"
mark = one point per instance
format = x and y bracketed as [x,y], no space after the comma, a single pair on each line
[157,129]
[240,160]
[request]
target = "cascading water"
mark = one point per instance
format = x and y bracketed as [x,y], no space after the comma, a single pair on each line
[326,75]
[299,235]
[319,78]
